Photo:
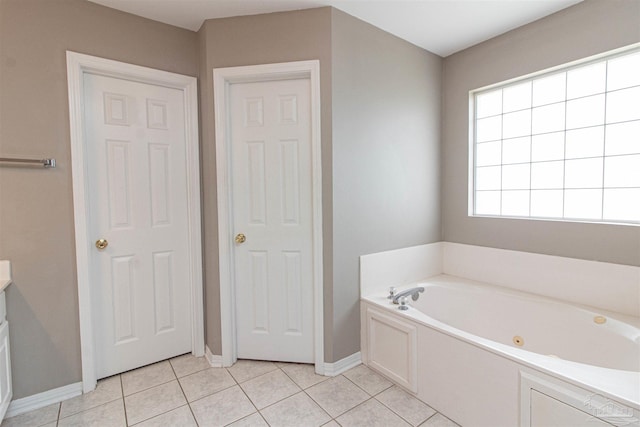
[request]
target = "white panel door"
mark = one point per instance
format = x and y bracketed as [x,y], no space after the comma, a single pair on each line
[271,202]
[137,181]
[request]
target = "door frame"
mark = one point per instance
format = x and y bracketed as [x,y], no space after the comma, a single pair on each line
[77,65]
[223,78]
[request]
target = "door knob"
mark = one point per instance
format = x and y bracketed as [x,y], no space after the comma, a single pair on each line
[102,243]
[241,238]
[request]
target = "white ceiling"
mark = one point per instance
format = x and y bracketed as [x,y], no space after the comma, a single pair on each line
[439,26]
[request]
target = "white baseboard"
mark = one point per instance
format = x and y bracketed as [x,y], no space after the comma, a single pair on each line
[214,360]
[46,398]
[342,365]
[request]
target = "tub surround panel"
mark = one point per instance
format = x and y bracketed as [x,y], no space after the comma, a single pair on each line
[607,286]
[399,267]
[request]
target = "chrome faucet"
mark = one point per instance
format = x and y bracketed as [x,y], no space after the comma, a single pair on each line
[414,292]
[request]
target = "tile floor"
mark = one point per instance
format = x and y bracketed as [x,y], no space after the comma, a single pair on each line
[185,391]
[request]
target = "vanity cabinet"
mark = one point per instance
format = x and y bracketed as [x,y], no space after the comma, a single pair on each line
[6,390]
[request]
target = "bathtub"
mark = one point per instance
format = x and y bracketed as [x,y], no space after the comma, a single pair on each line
[491,356]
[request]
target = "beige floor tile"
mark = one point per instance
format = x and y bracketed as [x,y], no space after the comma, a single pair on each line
[107,390]
[147,377]
[302,374]
[254,420]
[331,424]
[408,407]
[269,388]
[154,401]
[337,395]
[38,417]
[244,370]
[108,415]
[181,417]
[296,411]
[371,414]
[222,408]
[203,383]
[439,420]
[367,380]
[188,364]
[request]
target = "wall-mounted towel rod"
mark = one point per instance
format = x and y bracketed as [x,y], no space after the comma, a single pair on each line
[47,163]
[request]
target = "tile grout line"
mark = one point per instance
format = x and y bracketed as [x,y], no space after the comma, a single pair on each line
[271,404]
[59,412]
[428,418]
[227,388]
[314,401]
[124,402]
[302,390]
[60,417]
[372,395]
[183,393]
[148,388]
[391,409]
[400,415]
[158,385]
[359,404]
[235,383]
[342,413]
[247,396]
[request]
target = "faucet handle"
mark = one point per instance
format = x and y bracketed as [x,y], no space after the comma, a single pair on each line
[403,304]
[392,292]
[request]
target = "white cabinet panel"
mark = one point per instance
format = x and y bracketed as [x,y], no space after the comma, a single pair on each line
[391,348]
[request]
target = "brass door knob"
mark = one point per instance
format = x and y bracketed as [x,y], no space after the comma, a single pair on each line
[101,243]
[241,238]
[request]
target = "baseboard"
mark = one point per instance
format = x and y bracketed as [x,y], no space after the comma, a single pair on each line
[342,365]
[214,360]
[46,398]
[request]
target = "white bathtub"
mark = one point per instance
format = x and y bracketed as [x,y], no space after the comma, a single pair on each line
[454,348]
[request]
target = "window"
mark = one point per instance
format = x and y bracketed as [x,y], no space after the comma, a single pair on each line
[564,144]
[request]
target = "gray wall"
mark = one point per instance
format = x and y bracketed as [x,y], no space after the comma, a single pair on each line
[380,146]
[386,157]
[250,40]
[36,207]
[585,29]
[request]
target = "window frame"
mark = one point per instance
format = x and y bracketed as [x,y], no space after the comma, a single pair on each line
[472,148]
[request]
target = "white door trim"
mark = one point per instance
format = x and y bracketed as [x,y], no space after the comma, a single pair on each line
[222,79]
[77,65]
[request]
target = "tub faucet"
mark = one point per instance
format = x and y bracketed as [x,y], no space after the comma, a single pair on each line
[414,292]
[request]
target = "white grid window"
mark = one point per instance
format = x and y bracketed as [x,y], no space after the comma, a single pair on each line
[561,145]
